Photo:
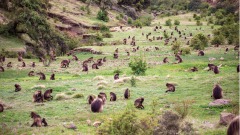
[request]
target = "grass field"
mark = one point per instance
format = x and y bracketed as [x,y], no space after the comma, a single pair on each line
[195,86]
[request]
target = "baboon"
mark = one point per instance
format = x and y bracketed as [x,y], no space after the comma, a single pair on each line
[103,97]
[1,69]
[97,105]
[90,59]
[217,92]
[236,48]
[47,95]
[194,69]
[116,76]
[37,96]
[95,66]
[165,60]
[17,87]
[116,51]
[171,87]
[233,128]
[115,55]
[20,58]
[127,93]
[138,103]
[75,57]
[23,64]
[156,48]
[103,94]
[128,53]
[104,59]
[90,99]
[1,108]
[200,53]
[134,50]
[65,63]
[216,45]
[124,41]
[85,68]
[113,96]
[99,62]
[9,64]
[238,67]
[37,121]
[211,67]
[33,64]
[2,58]
[179,59]
[52,77]
[42,76]
[226,50]
[216,70]
[188,42]
[31,73]
[41,59]
[137,47]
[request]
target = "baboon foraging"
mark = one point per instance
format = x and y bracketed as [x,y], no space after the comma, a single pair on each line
[226,50]
[1,108]
[116,51]
[179,59]
[216,70]
[217,92]
[33,64]
[37,96]
[97,105]
[211,67]
[115,55]
[116,76]
[23,64]
[124,41]
[238,68]
[90,99]
[113,96]
[233,128]
[31,73]
[85,68]
[171,87]
[52,77]
[75,57]
[1,69]
[194,69]
[47,95]
[99,62]
[95,66]
[37,121]
[156,48]
[17,87]
[138,103]
[103,94]
[65,63]
[127,93]
[200,53]
[20,58]
[42,76]
[9,64]
[165,60]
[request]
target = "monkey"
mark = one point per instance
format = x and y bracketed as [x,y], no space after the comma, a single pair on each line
[216,70]
[95,66]
[236,48]
[47,95]
[179,58]
[115,55]
[85,68]
[116,76]
[37,121]
[65,63]
[137,47]
[188,42]
[165,60]
[238,67]
[1,108]
[103,94]
[97,105]
[211,67]
[37,96]
[104,59]
[99,62]
[75,57]
[33,64]
[91,99]
[20,58]
[124,41]
[134,50]
[156,48]
[113,96]
[127,94]
[171,87]
[41,59]
[138,103]
[23,64]
[216,45]
[31,73]
[1,69]
[226,50]
[42,76]
[52,77]
[217,92]
[90,59]
[9,64]
[200,53]
[128,53]
[116,51]
[194,69]
[233,128]
[17,87]
[2,58]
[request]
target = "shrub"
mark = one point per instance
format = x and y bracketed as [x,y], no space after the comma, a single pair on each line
[182,108]
[103,28]
[168,22]
[138,66]
[137,23]
[133,81]
[82,8]
[218,39]
[78,95]
[176,22]
[198,23]
[176,46]
[199,41]
[61,96]
[186,50]
[165,35]
[117,71]
[103,15]
[130,21]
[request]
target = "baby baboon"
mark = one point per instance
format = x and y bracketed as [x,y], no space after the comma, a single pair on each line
[113,96]
[171,87]
[103,94]
[52,77]
[37,96]
[37,121]
[75,57]
[165,60]
[97,105]
[47,95]
[104,59]
[127,93]
[115,55]
[116,76]
[238,68]
[233,128]
[23,64]
[95,66]
[85,68]
[9,64]
[200,53]
[216,70]
[17,87]
[42,76]
[1,69]
[138,103]
[194,69]
[65,63]
[90,99]
[33,64]
[1,108]
[31,73]
[217,92]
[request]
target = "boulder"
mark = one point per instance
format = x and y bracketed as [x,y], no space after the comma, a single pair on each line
[226,118]
[219,102]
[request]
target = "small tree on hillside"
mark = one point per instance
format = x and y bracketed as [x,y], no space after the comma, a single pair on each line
[199,41]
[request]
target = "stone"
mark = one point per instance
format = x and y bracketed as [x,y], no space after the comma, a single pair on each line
[219,102]
[226,118]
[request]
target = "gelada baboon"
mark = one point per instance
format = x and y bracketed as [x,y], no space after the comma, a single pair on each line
[238,68]
[217,92]
[171,87]
[116,76]
[33,64]
[47,95]
[1,108]
[75,57]
[138,103]
[42,76]
[20,57]
[194,69]
[52,77]
[95,66]
[127,94]
[91,99]
[115,55]
[37,120]
[65,63]
[233,128]
[104,59]
[37,96]
[1,69]
[211,67]
[17,87]
[85,68]
[113,96]
[23,64]
[99,62]
[31,73]
[216,70]
[103,94]
[9,64]
[165,60]
[97,105]
[179,59]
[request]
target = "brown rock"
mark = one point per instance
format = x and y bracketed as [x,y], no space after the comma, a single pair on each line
[226,118]
[219,102]
[97,123]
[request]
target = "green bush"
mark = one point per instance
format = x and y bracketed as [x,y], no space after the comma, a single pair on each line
[186,50]
[138,66]
[199,41]
[107,35]
[137,23]
[165,34]
[176,22]
[103,15]
[168,22]
[117,71]
[9,54]
[104,28]
[176,46]
[133,81]
[198,23]
[218,39]
[130,21]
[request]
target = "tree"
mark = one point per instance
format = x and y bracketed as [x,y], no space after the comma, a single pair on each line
[199,41]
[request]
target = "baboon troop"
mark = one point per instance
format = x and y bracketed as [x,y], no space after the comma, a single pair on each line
[200,53]
[1,69]
[1,108]
[138,103]
[9,64]
[127,94]
[47,95]
[113,96]
[171,87]
[37,120]
[65,63]
[233,128]
[52,77]
[217,92]
[42,76]
[17,87]
[97,105]
[37,96]
[116,76]
[31,73]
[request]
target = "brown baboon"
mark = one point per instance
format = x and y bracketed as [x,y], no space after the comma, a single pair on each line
[127,94]
[104,59]
[216,45]
[37,96]
[95,66]
[137,47]
[33,64]
[65,63]
[99,62]
[20,58]
[42,76]
[103,97]
[128,53]
[217,92]
[91,98]
[157,48]
[216,70]
[2,58]
[124,41]
[47,95]
[226,50]
[31,73]
[179,59]
[233,128]
[23,64]
[200,53]
[116,76]
[190,34]
[171,87]
[236,48]
[116,51]
[85,68]
[115,55]
[113,96]
[194,69]
[138,103]
[238,68]
[9,64]
[1,69]
[97,105]
[37,121]
[103,94]
[165,60]
[17,87]
[211,67]
[1,108]
[75,57]
[134,50]
[52,77]
[188,42]
[41,59]
[90,59]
